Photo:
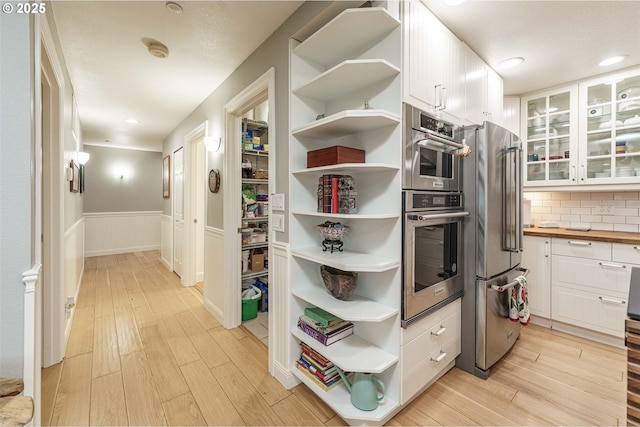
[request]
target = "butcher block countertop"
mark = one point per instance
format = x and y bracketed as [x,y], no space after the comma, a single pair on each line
[594,235]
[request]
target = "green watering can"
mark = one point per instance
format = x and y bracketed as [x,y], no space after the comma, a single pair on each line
[364,390]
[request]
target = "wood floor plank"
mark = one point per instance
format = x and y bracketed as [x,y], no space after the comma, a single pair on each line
[313,402]
[178,341]
[410,416]
[48,390]
[105,347]
[441,412]
[128,335]
[215,405]
[103,304]
[108,406]
[74,392]
[205,345]
[86,295]
[81,335]
[294,413]
[166,372]
[248,401]
[183,411]
[140,390]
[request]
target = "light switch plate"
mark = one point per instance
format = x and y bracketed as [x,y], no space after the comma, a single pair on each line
[277,202]
[278,222]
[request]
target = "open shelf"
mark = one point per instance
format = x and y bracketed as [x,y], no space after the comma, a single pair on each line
[349,261]
[350,31]
[352,354]
[347,216]
[339,399]
[254,274]
[346,77]
[347,122]
[349,168]
[358,309]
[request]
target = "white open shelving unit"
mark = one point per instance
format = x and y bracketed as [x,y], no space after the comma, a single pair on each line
[351,63]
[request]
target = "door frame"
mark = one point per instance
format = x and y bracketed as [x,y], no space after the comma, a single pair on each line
[190,194]
[261,89]
[172,179]
[54,334]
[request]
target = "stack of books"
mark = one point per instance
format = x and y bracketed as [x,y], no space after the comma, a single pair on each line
[318,368]
[336,194]
[324,327]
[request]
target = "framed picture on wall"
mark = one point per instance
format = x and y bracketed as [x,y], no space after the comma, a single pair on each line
[74,184]
[166,173]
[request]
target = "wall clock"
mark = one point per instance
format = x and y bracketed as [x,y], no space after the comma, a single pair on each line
[214,180]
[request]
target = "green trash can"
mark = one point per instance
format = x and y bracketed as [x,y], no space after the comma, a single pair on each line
[250,298]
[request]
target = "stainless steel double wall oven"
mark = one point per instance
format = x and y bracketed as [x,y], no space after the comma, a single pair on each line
[432,204]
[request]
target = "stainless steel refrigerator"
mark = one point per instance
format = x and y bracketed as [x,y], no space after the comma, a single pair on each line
[492,186]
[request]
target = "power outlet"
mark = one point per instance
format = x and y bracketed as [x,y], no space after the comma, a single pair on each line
[277,222]
[605,207]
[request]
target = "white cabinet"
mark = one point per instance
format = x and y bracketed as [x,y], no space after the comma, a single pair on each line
[537,258]
[346,90]
[484,91]
[590,285]
[550,137]
[610,129]
[433,62]
[429,347]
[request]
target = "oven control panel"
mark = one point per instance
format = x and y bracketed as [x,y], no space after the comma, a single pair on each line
[431,200]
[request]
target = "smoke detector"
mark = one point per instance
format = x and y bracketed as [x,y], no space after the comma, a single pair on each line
[157,49]
[173,7]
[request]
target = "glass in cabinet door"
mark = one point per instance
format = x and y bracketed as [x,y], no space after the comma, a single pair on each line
[628,99]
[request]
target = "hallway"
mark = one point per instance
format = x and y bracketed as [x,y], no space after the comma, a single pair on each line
[143,350]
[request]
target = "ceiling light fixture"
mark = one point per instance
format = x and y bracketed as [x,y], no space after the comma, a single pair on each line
[511,62]
[612,60]
[158,50]
[132,120]
[174,7]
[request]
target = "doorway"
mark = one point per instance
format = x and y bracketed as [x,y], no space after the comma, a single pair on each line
[178,211]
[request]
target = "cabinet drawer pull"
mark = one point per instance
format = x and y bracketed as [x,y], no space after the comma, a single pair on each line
[613,301]
[440,331]
[572,242]
[636,248]
[606,264]
[440,357]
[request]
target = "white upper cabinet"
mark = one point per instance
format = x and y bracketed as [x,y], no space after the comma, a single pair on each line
[483,90]
[433,62]
[610,129]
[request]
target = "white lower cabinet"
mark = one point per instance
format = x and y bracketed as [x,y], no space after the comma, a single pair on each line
[590,284]
[537,258]
[429,348]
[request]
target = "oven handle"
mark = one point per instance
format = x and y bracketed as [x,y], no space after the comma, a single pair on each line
[427,217]
[429,136]
[502,288]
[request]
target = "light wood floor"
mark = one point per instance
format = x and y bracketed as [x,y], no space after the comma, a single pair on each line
[144,351]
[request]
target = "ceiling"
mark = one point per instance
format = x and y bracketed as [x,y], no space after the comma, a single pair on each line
[114,78]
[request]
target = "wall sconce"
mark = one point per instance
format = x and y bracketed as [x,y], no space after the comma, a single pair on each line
[212,143]
[83,157]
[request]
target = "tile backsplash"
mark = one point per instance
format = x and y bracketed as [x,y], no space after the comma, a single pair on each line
[612,211]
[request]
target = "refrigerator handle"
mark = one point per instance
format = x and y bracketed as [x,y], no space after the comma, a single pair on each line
[520,228]
[511,223]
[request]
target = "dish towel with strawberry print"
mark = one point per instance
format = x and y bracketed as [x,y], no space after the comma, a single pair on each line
[519,302]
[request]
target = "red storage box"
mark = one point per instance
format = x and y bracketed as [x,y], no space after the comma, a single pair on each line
[333,156]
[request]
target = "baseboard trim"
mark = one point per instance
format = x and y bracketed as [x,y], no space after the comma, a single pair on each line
[123,251]
[284,376]
[217,313]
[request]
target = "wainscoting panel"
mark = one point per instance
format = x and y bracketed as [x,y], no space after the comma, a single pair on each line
[110,233]
[279,307]
[74,244]
[166,241]
[214,272]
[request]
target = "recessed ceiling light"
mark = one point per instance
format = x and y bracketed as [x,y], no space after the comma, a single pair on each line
[174,7]
[132,120]
[511,62]
[157,49]
[612,60]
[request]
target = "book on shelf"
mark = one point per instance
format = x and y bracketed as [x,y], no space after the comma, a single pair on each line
[320,360]
[326,339]
[321,316]
[324,375]
[324,386]
[320,327]
[336,194]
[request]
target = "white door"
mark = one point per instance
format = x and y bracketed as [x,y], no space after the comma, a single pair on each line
[178,211]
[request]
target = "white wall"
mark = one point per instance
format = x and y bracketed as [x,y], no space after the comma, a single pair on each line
[15,185]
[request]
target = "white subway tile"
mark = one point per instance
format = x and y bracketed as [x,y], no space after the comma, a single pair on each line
[560,196]
[591,218]
[543,209]
[570,203]
[625,211]
[545,196]
[602,227]
[633,204]
[588,203]
[613,219]
[570,218]
[581,211]
[552,217]
[551,203]
[602,196]
[626,227]
[580,196]
[626,195]
[633,219]
[559,210]
[535,203]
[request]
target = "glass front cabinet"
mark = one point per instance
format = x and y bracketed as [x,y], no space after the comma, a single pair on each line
[550,137]
[610,114]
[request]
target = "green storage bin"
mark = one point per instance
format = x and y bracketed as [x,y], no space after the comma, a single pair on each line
[250,305]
